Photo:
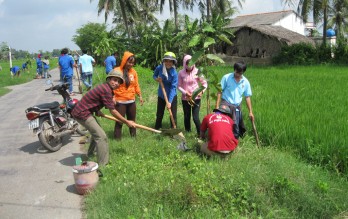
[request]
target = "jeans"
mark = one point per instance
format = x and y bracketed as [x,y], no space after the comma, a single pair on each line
[39,71]
[187,108]
[99,140]
[68,79]
[86,78]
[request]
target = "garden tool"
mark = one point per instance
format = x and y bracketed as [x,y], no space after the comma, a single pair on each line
[218,99]
[78,75]
[167,132]
[179,135]
[255,133]
[78,78]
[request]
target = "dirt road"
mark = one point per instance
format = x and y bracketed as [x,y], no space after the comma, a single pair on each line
[34,183]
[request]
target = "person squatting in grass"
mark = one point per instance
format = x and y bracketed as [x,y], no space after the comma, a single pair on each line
[221,140]
[25,67]
[16,71]
[110,62]
[234,86]
[86,63]
[188,81]
[166,73]
[92,102]
[39,69]
[66,66]
[125,95]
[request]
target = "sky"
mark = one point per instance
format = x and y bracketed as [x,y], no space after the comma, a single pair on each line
[44,25]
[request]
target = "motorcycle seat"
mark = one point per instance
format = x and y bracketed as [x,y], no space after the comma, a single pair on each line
[45,106]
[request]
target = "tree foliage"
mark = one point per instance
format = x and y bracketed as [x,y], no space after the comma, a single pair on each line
[89,35]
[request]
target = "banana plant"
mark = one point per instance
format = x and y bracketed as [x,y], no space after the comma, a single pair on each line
[201,41]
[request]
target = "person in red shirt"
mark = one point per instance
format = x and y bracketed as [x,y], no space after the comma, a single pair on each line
[92,102]
[221,140]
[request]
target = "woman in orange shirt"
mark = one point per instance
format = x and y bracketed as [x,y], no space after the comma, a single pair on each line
[124,96]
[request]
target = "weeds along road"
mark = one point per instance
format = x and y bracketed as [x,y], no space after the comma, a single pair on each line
[34,183]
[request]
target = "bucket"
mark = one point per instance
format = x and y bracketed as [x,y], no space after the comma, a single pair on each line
[86,177]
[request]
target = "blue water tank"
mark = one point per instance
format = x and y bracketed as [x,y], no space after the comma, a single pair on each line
[330,33]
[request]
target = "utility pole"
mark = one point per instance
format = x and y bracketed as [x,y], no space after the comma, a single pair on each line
[10,56]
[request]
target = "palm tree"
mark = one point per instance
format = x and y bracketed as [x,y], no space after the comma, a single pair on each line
[117,5]
[223,7]
[339,18]
[319,9]
[173,7]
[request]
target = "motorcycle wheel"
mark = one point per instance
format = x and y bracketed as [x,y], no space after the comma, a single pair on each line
[47,140]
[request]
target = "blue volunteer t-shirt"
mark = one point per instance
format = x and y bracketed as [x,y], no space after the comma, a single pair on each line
[66,63]
[110,63]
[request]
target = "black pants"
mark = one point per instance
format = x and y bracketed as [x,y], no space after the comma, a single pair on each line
[187,108]
[161,106]
[128,110]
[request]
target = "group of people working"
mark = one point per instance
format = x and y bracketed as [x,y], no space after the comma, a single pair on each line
[119,92]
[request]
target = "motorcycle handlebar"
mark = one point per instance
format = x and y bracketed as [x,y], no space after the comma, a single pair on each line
[56,87]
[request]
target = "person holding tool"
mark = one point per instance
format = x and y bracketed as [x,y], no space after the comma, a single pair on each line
[166,73]
[234,86]
[92,102]
[190,80]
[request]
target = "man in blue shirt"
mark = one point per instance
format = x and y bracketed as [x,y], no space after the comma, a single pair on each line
[25,66]
[66,65]
[234,87]
[110,62]
[15,70]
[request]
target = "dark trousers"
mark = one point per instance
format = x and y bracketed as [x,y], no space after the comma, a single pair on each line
[161,106]
[187,108]
[128,111]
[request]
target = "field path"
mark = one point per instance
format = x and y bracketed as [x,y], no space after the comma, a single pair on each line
[34,183]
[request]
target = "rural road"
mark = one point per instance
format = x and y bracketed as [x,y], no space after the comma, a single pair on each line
[34,183]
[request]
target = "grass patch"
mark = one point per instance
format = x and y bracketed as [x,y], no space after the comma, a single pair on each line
[149,178]
[7,80]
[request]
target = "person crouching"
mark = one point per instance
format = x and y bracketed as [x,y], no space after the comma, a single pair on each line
[221,140]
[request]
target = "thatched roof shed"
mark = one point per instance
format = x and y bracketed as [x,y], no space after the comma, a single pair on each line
[270,18]
[263,40]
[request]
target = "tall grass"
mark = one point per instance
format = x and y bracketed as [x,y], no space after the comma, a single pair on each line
[149,178]
[303,109]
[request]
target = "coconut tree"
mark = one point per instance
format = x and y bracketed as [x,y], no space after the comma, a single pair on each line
[319,9]
[224,7]
[173,8]
[339,18]
[117,5]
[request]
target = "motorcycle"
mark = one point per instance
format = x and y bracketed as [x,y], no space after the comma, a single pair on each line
[53,121]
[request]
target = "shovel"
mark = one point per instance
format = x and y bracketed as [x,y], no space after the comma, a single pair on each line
[180,135]
[167,132]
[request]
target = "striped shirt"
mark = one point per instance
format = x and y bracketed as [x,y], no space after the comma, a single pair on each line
[93,101]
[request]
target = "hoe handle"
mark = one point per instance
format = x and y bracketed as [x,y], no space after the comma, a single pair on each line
[136,125]
[166,99]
